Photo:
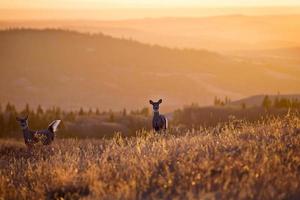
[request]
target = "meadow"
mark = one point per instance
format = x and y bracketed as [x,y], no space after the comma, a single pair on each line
[235,160]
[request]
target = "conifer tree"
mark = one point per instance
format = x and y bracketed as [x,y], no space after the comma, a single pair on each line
[267,103]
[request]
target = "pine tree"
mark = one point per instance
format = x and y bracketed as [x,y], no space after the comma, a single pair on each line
[276,103]
[26,110]
[8,108]
[227,100]
[124,113]
[111,117]
[39,110]
[145,112]
[90,112]
[70,116]
[267,103]
[244,105]
[2,124]
[12,125]
[216,101]
[58,112]
[81,111]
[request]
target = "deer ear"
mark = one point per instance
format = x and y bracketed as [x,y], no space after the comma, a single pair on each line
[160,101]
[151,102]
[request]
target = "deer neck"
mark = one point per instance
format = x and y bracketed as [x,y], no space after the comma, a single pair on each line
[156,113]
[26,129]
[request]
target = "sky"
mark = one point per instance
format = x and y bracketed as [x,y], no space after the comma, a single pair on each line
[97,4]
[127,9]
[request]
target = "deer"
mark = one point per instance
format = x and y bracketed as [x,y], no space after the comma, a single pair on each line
[31,137]
[159,122]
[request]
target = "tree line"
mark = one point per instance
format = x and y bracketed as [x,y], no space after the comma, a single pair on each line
[40,118]
[280,102]
[195,116]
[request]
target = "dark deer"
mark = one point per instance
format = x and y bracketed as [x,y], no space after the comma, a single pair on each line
[159,122]
[33,137]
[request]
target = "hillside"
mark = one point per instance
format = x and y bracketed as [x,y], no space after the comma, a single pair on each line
[70,69]
[216,33]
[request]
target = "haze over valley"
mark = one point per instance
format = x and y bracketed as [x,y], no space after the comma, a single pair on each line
[70,69]
[215,33]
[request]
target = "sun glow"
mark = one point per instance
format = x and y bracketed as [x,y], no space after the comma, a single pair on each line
[97,4]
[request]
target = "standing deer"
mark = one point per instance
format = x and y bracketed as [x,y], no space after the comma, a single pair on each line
[159,122]
[32,137]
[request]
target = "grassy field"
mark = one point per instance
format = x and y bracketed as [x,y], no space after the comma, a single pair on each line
[238,161]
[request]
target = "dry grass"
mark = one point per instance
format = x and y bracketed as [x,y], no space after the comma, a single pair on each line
[251,161]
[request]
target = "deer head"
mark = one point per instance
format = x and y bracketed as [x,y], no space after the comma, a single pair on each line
[23,122]
[155,105]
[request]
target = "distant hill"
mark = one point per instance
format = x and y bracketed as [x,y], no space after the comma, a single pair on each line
[258,99]
[216,33]
[72,70]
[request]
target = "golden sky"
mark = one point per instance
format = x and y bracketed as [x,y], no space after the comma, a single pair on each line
[124,9]
[92,4]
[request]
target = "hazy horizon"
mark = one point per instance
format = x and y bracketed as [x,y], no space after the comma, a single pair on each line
[128,13]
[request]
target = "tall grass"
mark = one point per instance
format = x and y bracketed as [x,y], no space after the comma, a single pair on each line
[246,161]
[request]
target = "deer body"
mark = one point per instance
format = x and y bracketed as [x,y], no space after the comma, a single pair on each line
[159,122]
[45,136]
[33,137]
